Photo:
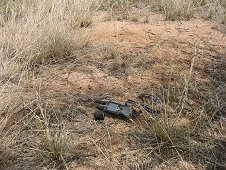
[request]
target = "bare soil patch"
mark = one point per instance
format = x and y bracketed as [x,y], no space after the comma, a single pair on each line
[122,60]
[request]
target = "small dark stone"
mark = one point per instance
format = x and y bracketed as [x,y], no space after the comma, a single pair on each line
[99,115]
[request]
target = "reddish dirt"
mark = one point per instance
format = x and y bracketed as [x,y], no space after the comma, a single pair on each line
[168,48]
[169,45]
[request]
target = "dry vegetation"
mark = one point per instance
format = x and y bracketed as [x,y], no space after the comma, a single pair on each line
[44,125]
[185,9]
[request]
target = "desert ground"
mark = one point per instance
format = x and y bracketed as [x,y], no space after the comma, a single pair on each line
[58,56]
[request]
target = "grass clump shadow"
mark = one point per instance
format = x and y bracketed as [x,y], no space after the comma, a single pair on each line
[6,143]
[184,129]
[170,124]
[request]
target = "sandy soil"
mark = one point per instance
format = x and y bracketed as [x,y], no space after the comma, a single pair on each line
[121,60]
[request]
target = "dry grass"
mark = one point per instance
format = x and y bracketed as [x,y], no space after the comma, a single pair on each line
[6,141]
[55,145]
[45,31]
[118,9]
[173,9]
[186,9]
[38,34]
[184,128]
[178,9]
[215,10]
[165,126]
[34,34]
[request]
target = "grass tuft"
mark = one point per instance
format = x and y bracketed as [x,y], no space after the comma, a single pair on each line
[178,9]
[52,46]
[54,145]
